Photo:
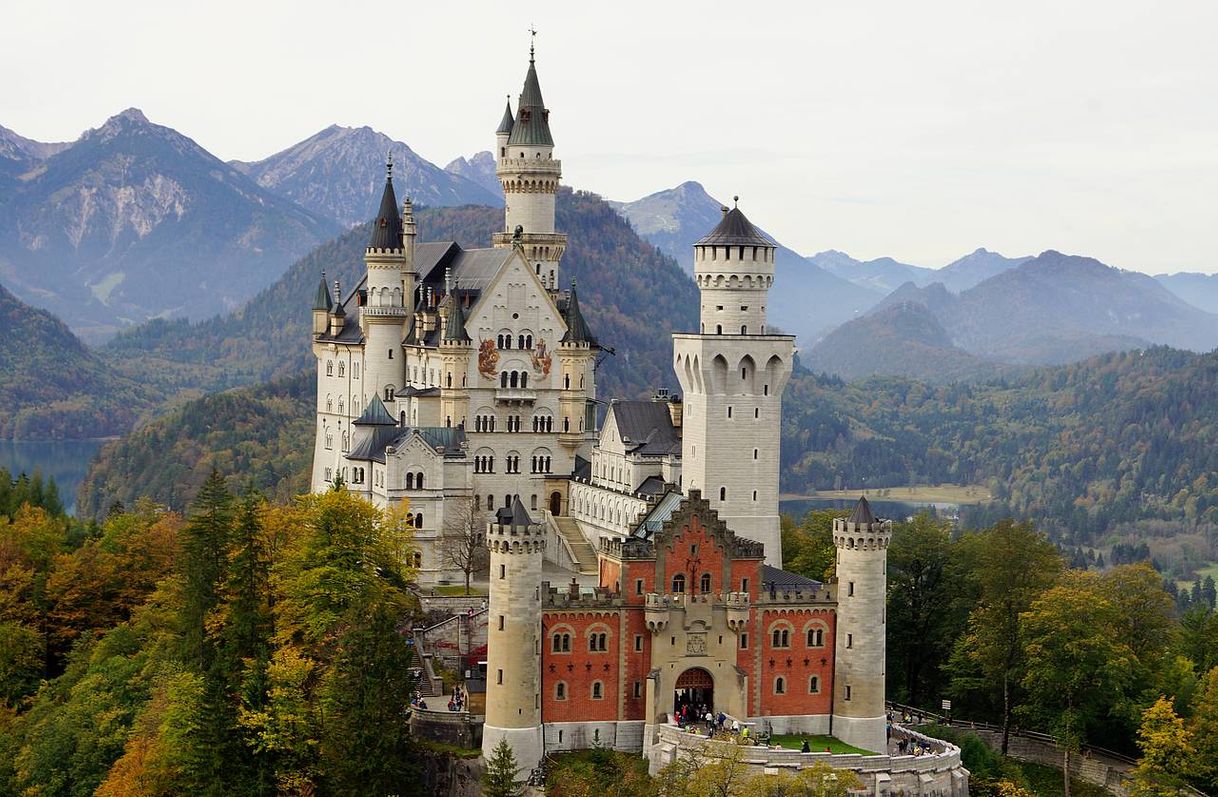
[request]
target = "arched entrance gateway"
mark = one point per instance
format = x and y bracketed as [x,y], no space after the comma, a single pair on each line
[694,694]
[555,503]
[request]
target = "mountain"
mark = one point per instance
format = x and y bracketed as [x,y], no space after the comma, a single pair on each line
[1199,290]
[882,274]
[479,168]
[19,154]
[674,219]
[338,173]
[974,268]
[632,296]
[54,386]
[903,339]
[135,220]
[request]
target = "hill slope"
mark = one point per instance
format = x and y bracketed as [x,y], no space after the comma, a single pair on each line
[54,387]
[631,294]
[1199,290]
[338,173]
[135,220]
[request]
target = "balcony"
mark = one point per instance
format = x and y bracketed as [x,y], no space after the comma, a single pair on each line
[515,395]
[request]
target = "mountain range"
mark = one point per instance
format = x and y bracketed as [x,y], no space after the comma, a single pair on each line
[338,172]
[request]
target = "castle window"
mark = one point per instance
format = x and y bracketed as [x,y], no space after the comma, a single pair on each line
[409,481]
[490,501]
[533,497]
[780,685]
[560,691]
[329,368]
[598,643]
[754,453]
[705,586]
[448,379]
[756,412]
[814,685]
[638,689]
[329,474]
[754,495]
[501,622]
[390,357]
[499,678]
[638,643]
[566,381]
[598,690]
[524,379]
[514,381]
[729,412]
[847,692]
[765,389]
[718,329]
[503,379]
[418,521]
[418,482]
[816,637]
[502,571]
[849,641]
[329,440]
[638,586]
[722,493]
[850,588]
[678,583]
[781,637]
[744,641]
[355,370]
[477,501]
[341,406]
[561,643]
[744,330]
[744,585]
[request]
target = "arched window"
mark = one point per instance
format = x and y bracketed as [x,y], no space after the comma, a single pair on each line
[418,482]
[503,379]
[477,501]
[342,368]
[329,403]
[722,493]
[524,378]
[678,583]
[560,691]
[718,329]
[816,637]
[418,521]
[780,686]
[814,685]
[705,585]
[329,368]
[515,379]
[561,643]
[781,637]
[598,690]
[409,481]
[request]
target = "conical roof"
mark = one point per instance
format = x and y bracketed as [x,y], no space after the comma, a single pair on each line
[532,125]
[321,299]
[375,415]
[735,229]
[505,124]
[454,328]
[515,515]
[577,327]
[861,515]
[387,228]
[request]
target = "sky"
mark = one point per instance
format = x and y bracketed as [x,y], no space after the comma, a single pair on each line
[919,131]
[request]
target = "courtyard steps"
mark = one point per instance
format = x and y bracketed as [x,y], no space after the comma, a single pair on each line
[584,553]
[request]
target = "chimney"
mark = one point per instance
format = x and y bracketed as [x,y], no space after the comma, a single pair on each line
[675,410]
[573,589]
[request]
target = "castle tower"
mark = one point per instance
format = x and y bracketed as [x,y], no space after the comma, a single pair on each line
[733,372]
[513,657]
[578,347]
[456,347]
[389,301]
[862,588]
[530,176]
[321,308]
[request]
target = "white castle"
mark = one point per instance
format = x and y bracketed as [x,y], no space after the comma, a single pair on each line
[460,379]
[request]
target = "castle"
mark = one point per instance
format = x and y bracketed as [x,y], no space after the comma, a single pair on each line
[463,381]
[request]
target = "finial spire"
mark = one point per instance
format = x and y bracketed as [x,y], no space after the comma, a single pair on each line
[736,201]
[389,166]
[532,41]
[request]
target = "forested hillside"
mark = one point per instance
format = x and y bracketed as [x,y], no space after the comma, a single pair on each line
[52,385]
[631,294]
[1081,448]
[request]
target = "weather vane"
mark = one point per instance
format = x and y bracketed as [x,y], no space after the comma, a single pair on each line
[389,164]
[532,40]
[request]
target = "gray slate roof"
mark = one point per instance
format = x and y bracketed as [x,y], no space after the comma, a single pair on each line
[515,515]
[734,229]
[646,427]
[371,447]
[387,228]
[780,580]
[454,328]
[578,330]
[505,124]
[655,518]
[861,514]
[375,414]
[322,299]
[532,126]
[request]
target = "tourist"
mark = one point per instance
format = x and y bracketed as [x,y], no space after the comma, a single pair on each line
[805,748]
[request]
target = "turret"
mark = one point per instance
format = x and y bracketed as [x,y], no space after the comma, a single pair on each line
[409,234]
[321,307]
[861,543]
[513,658]
[734,268]
[456,348]
[385,310]
[579,348]
[530,176]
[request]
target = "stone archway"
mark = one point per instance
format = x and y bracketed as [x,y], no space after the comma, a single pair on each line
[694,694]
[556,503]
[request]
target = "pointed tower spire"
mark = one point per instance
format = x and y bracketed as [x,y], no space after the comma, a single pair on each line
[387,228]
[532,126]
[505,124]
[454,326]
[321,299]
[577,328]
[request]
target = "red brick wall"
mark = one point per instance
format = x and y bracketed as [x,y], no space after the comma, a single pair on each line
[796,663]
[580,668]
[682,558]
[638,664]
[636,570]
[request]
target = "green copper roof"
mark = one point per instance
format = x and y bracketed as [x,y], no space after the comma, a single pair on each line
[375,415]
[505,124]
[321,299]
[577,327]
[387,229]
[532,126]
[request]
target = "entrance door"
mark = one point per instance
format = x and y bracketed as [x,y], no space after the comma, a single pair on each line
[555,503]
[694,696]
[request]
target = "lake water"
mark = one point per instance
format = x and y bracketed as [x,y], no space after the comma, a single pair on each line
[896,510]
[66,461]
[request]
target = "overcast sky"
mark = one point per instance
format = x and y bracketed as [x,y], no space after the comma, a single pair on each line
[919,131]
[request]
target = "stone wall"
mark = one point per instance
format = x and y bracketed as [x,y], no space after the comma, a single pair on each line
[463,634]
[450,776]
[1089,765]
[456,728]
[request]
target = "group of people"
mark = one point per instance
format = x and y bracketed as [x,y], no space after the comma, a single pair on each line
[458,699]
[417,701]
[690,716]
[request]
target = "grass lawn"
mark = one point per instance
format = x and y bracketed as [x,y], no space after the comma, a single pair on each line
[1047,782]
[457,590]
[816,743]
[936,493]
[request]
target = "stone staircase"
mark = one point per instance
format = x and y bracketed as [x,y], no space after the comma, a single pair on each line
[584,554]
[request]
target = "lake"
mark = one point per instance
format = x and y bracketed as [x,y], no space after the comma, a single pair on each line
[896,510]
[66,461]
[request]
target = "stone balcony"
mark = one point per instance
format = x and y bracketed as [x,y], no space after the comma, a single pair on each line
[515,395]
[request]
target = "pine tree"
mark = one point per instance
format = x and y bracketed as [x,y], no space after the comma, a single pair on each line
[500,777]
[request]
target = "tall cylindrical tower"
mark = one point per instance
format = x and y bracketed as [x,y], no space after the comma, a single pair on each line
[530,176]
[732,373]
[862,590]
[513,653]
[385,308]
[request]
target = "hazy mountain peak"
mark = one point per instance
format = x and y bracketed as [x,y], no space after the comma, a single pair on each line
[480,168]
